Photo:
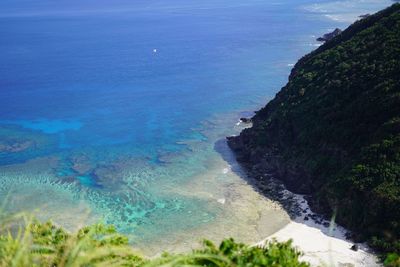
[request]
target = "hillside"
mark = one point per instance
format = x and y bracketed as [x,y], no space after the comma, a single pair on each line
[333,131]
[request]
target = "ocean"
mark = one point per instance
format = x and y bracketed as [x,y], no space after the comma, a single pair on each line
[116,111]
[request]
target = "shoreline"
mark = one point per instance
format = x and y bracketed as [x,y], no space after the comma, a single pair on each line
[252,215]
[323,243]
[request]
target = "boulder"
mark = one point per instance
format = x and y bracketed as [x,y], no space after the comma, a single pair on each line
[330,35]
[354,247]
[245,120]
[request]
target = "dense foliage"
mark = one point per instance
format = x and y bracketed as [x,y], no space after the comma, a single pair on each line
[335,127]
[230,253]
[31,243]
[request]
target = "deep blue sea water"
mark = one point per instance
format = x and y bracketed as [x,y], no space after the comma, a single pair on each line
[115,106]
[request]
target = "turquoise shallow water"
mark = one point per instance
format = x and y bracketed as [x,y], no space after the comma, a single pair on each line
[115,110]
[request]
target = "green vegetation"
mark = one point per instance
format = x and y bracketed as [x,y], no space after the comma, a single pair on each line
[335,128]
[26,242]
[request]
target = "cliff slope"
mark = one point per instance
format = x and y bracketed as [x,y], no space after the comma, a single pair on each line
[334,130]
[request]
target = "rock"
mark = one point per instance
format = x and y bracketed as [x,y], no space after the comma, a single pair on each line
[221,201]
[17,146]
[81,164]
[329,36]
[245,120]
[106,174]
[364,16]
[306,218]
[354,247]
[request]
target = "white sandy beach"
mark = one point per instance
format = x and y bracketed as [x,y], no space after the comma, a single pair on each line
[321,245]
